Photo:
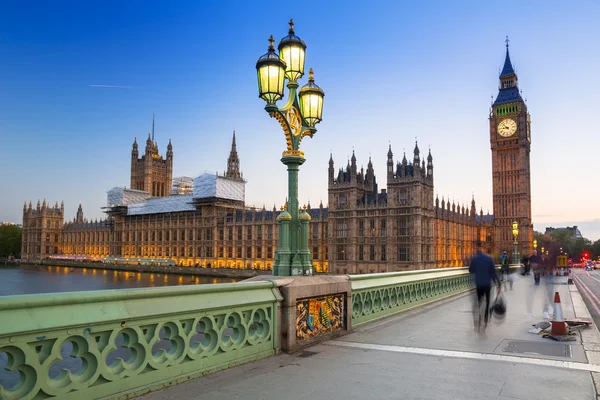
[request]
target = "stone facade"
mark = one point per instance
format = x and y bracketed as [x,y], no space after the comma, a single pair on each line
[362,231]
[152,173]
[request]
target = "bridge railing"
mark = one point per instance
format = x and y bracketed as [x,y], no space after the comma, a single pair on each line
[376,296]
[122,343]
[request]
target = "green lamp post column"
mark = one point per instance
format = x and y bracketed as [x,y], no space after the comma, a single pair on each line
[515,232]
[298,118]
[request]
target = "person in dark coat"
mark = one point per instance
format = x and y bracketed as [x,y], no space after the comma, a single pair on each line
[482,266]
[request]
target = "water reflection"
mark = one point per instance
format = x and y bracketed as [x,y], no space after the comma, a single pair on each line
[47,279]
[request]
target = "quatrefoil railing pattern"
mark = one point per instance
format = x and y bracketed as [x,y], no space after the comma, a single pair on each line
[383,298]
[127,358]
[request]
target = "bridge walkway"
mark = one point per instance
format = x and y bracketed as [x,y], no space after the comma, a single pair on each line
[428,353]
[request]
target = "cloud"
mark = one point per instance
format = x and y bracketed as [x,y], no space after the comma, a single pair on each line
[111,86]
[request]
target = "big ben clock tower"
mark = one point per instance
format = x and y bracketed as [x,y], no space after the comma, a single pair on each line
[510,141]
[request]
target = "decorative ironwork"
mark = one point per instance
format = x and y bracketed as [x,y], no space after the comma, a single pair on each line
[319,316]
[389,298]
[128,358]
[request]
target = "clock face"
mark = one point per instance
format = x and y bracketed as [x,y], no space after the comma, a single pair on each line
[507,127]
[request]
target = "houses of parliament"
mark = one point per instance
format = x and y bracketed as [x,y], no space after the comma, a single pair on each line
[205,222]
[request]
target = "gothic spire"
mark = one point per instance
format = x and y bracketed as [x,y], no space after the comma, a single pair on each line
[507,70]
[233,162]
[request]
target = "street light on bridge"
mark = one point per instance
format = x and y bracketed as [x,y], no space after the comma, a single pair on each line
[515,232]
[298,118]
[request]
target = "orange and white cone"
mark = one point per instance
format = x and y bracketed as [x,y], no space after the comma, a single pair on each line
[559,326]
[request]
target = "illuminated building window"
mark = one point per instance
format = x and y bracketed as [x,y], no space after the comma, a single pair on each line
[372,227]
[341,253]
[361,252]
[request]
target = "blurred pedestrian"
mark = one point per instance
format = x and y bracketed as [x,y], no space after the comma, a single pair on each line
[482,266]
[505,270]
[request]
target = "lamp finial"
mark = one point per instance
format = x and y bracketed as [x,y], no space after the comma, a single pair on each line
[271,41]
[291,26]
[311,78]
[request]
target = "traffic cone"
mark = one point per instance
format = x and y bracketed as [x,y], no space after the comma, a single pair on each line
[559,326]
[570,279]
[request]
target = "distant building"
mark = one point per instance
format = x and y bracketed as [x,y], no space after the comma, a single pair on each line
[573,230]
[182,185]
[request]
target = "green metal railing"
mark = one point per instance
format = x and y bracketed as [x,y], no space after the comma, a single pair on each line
[376,296]
[117,344]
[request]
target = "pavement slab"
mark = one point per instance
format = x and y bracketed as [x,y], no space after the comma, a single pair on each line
[471,368]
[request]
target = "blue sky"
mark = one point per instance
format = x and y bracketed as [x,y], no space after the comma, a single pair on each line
[391,71]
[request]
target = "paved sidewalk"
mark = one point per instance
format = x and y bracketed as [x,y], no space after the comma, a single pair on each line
[429,353]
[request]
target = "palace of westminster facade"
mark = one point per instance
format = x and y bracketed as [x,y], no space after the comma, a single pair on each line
[362,230]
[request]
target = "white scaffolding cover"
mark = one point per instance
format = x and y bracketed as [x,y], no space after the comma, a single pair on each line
[212,185]
[123,197]
[158,205]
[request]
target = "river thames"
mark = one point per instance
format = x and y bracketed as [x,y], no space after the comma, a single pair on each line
[48,279]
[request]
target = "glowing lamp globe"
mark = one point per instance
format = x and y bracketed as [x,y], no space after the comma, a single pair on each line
[311,101]
[292,50]
[271,75]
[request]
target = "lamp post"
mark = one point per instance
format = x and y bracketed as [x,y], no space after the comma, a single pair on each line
[534,244]
[515,232]
[298,118]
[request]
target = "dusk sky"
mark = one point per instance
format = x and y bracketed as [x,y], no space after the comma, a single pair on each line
[78,80]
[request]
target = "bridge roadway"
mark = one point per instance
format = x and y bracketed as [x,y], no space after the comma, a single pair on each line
[429,353]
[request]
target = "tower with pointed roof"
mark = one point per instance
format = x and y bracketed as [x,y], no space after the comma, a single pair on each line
[510,141]
[151,172]
[233,162]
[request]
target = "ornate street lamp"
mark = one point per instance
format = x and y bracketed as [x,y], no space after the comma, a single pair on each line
[298,117]
[515,232]
[534,244]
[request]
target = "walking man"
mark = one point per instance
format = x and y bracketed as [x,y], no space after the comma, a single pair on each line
[504,270]
[482,265]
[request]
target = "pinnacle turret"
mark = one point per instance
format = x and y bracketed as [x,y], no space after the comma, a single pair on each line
[233,162]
